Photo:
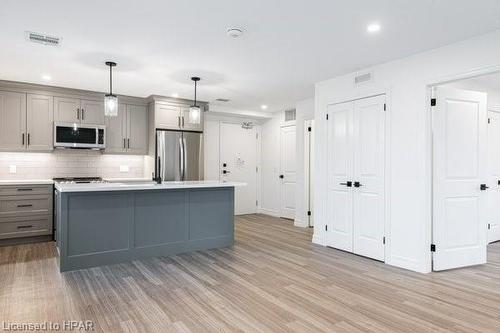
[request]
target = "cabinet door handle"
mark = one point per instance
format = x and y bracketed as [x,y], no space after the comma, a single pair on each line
[24,206]
[78,113]
[83,114]
[124,143]
[24,226]
[182,121]
[25,189]
[128,143]
[29,139]
[178,121]
[22,139]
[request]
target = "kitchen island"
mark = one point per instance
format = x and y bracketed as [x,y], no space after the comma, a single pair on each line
[101,224]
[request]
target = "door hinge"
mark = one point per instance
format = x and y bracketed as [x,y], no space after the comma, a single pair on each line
[309,129]
[326,228]
[433,102]
[383,240]
[433,247]
[308,213]
[385,107]
[489,226]
[327,116]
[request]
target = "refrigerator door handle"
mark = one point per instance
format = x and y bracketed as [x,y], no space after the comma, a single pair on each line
[181,159]
[185,158]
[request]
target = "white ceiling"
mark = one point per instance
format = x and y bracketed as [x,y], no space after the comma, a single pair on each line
[287,45]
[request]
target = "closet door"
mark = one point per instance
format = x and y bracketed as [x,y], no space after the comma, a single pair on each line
[340,176]
[494,176]
[368,187]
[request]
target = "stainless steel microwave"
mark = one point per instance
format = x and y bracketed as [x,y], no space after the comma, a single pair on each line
[79,136]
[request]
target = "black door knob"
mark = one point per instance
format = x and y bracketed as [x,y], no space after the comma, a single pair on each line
[282,176]
[357,184]
[484,187]
[348,184]
[224,165]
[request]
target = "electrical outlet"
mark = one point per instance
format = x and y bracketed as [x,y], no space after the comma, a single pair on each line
[124,168]
[12,169]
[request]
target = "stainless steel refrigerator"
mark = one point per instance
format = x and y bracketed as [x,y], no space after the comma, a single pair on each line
[179,155]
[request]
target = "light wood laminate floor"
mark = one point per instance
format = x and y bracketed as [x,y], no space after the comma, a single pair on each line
[273,280]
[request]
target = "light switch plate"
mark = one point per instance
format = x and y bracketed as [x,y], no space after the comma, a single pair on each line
[124,168]
[12,169]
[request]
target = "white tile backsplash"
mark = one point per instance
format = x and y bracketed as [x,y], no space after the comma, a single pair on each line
[66,163]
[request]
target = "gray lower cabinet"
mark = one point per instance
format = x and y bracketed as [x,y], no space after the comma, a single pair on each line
[25,211]
[128,132]
[100,228]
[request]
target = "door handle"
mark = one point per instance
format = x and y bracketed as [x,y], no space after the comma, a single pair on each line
[24,226]
[22,139]
[128,143]
[29,139]
[357,184]
[78,113]
[484,187]
[183,121]
[282,176]
[124,143]
[225,171]
[23,206]
[178,121]
[83,114]
[348,184]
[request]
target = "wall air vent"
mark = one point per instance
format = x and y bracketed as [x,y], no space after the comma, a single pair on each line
[223,100]
[363,78]
[40,38]
[290,115]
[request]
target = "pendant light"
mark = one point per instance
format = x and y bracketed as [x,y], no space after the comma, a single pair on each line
[194,110]
[110,100]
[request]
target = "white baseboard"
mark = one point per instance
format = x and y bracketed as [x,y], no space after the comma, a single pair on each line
[300,223]
[318,239]
[270,212]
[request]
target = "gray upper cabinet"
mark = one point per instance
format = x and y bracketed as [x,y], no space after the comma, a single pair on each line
[128,132]
[39,125]
[67,110]
[74,110]
[92,112]
[137,129]
[12,121]
[175,116]
[167,116]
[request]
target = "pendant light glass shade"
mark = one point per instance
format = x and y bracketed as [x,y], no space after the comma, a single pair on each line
[110,105]
[194,111]
[111,100]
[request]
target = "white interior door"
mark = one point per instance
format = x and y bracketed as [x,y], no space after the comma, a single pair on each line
[368,186]
[340,176]
[238,162]
[288,171]
[459,158]
[494,176]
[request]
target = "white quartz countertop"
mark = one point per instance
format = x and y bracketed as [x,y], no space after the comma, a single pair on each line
[141,186]
[27,182]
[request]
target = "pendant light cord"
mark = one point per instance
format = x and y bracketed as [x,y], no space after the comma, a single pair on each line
[195,82]
[111,80]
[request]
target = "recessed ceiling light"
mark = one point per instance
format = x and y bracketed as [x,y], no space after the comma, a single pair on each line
[175,95]
[373,28]
[234,32]
[263,107]
[46,77]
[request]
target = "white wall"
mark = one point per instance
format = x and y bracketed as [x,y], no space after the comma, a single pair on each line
[493,93]
[408,171]
[305,111]
[69,163]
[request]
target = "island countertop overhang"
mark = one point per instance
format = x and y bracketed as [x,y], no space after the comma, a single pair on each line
[103,187]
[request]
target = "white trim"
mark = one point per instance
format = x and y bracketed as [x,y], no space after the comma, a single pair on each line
[270,212]
[318,238]
[299,223]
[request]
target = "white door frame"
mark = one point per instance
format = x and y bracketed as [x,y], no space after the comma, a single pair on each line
[387,161]
[308,169]
[429,146]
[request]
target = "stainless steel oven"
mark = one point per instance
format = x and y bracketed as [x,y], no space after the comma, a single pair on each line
[79,136]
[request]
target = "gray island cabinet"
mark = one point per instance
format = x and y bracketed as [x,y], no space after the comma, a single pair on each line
[101,224]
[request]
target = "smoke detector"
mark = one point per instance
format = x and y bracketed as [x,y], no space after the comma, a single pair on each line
[234,32]
[41,38]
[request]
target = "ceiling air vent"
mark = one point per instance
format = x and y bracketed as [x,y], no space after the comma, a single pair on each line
[40,38]
[290,115]
[223,100]
[363,78]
